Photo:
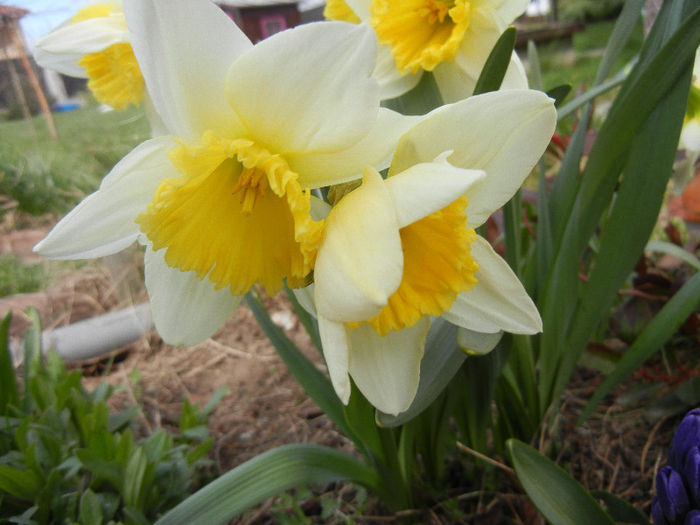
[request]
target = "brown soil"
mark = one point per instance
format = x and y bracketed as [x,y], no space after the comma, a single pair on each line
[618,450]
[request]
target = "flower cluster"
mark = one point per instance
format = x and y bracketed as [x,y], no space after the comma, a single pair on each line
[677,500]
[226,195]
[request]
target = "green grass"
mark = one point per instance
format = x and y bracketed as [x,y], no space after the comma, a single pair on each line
[44,175]
[17,277]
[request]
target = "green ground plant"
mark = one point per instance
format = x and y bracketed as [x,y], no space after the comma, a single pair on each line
[66,458]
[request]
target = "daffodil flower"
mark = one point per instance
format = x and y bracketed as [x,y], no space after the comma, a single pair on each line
[95,44]
[451,38]
[398,252]
[223,201]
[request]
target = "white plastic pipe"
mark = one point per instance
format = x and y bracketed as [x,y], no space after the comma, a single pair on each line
[97,336]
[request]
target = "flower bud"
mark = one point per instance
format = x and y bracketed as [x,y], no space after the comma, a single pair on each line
[687,435]
[692,518]
[691,473]
[672,495]
[657,512]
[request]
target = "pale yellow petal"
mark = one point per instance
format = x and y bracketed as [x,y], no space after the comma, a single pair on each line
[387,369]
[360,262]
[498,301]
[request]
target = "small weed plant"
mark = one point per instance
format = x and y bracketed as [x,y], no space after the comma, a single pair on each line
[65,458]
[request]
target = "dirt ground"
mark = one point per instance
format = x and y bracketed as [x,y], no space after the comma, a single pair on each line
[618,450]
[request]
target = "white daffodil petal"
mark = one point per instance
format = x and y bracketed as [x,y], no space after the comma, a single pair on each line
[89,36]
[305,297]
[309,88]
[516,77]
[477,343]
[360,8]
[185,49]
[690,135]
[392,83]
[317,169]
[186,310]
[498,301]
[334,340]
[428,187]
[360,262]
[103,223]
[66,64]
[509,10]
[387,369]
[503,133]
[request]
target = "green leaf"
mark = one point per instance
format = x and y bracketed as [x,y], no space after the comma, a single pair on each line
[676,251]
[648,100]
[559,94]
[316,385]
[560,498]
[100,468]
[265,475]
[214,400]
[535,68]
[497,63]
[22,484]
[441,361]
[9,394]
[137,478]
[420,100]
[650,341]
[619,509]
[90,509]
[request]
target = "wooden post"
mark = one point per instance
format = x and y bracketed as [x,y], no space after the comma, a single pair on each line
[14,78]
[34,82]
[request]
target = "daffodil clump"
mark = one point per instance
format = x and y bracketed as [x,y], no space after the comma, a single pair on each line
[95,44]
[451,38]
[224,199]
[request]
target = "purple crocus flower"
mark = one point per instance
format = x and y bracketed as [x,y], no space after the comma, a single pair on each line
[677,500]
[687,436]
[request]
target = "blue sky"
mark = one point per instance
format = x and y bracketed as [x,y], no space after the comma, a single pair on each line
[45,15]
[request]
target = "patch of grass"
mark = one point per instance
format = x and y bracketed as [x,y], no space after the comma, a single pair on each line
[44,175]
[17,277]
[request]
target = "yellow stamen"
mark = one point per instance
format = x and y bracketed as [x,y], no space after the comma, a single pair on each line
[437,267]
[236,216]
[421,33]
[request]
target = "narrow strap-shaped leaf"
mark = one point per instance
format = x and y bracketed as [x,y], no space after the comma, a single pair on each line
[559,94]
[672,249]
[315,384]
[631,221]
[496,65]
[533,58]
[558,496]
[659,330]
[627,20]
[265,475]
[659,77]
[589,95]
[9,394]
